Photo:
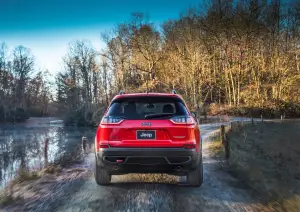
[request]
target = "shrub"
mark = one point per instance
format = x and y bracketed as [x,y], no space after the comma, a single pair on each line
[36,112]
[275,110]
[11,114]
[84,116]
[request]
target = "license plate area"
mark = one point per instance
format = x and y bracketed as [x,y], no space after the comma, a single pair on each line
[145,134]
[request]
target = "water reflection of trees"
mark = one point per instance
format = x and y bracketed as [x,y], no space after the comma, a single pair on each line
[17,147]
[21,148]
[71,137]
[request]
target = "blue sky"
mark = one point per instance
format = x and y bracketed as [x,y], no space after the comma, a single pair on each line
[47,26]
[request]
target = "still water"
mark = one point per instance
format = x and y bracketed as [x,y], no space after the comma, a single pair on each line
[22,145]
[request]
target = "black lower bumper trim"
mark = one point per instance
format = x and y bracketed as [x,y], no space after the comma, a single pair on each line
[147,160]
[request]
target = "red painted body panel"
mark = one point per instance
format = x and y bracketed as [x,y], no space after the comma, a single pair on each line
[168,134]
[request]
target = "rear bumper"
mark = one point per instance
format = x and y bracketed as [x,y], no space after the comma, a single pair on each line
[148,160]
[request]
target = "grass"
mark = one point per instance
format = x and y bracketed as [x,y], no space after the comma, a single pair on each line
[215,145]
[51,169]
[216,148]
[26,176]
[7,197]
[267,157]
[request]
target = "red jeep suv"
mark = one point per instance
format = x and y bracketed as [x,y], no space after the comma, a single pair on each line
[148,133]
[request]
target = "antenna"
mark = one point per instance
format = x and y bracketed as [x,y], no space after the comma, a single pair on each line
[174,91]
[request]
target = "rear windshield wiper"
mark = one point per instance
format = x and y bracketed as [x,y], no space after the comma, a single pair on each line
[156,115]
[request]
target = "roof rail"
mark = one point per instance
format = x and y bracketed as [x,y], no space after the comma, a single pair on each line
[174,91]
[122,92]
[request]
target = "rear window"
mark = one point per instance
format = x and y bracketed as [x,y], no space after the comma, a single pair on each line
[136,108]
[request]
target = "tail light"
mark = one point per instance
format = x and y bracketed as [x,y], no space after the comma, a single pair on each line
[190,146]
[104,146]
[99,145]
[111,120]
[182,120]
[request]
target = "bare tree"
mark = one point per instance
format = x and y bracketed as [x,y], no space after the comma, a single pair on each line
[23,65]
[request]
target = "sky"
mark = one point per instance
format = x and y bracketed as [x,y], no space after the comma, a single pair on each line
[47,26]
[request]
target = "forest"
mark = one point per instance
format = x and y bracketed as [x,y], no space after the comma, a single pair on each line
[24,90]
[237,57]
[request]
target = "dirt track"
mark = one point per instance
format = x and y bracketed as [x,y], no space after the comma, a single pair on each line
[219,192]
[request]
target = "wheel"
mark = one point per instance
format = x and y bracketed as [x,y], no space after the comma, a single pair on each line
[195,177]
[101,175]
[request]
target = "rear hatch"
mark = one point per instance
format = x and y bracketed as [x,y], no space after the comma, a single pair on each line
[147,121]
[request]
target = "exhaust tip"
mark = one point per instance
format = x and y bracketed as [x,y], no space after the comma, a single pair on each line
[115,167]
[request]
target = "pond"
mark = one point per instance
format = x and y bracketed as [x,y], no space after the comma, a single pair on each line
[22,145]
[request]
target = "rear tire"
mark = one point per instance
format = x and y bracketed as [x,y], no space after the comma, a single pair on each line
[101,175]
[195,177]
